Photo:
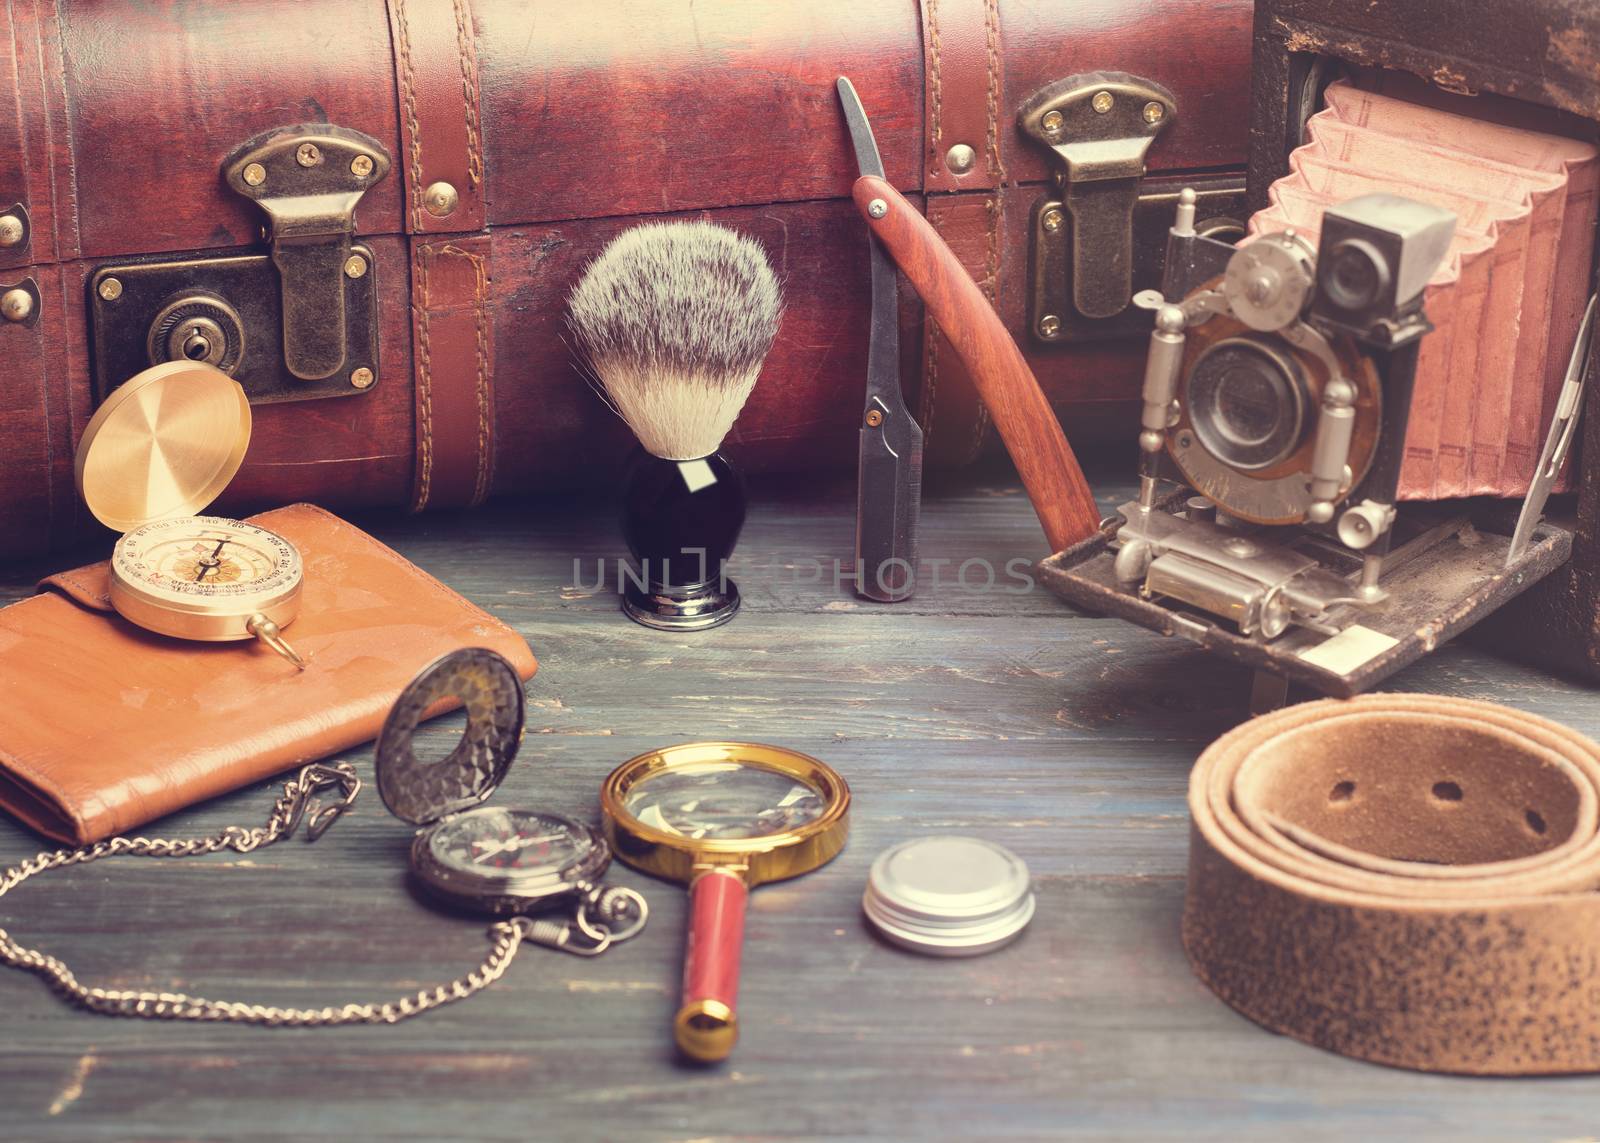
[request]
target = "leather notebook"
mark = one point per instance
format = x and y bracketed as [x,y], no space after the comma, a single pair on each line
[107,726]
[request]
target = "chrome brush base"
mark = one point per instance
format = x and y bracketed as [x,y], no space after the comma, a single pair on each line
[711,606]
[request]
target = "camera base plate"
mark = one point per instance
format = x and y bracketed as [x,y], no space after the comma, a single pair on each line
[1446,572]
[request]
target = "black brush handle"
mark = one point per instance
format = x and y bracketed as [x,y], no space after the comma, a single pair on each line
[681,518]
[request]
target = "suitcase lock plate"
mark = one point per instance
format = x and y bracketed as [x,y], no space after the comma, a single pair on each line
[1099,233]
[295,324]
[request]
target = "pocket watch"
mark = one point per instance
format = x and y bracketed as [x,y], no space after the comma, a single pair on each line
[159,449]
[485,859]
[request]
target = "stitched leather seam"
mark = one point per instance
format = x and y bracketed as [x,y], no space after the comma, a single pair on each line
[991,288]
[991,260]
[70,215]
[469,90]
[424,386]
[930,333]
[60,52]
[991,20]
[481,353]
[485,403]
[413,127]
[73,580]
[49,431]
[930,10]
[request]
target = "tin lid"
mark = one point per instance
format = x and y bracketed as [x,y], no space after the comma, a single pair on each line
[949,896]
[422,791]
[164,444]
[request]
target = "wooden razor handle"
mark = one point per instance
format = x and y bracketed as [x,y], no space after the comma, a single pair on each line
[707,1024]
[1027,423]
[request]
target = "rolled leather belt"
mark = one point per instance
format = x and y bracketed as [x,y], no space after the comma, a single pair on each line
[1407,879]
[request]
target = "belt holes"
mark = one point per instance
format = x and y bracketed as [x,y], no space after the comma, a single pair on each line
[1446,792]
[1342,792]
[1535,821]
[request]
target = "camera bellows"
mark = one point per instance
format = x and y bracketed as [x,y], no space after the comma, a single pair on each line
[675,320]
[1506,304]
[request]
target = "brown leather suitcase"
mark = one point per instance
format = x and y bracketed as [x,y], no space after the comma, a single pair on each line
[180,177]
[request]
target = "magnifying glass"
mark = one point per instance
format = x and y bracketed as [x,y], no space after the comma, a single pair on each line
[722,817]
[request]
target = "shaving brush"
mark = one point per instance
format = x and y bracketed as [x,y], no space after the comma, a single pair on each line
[675,320]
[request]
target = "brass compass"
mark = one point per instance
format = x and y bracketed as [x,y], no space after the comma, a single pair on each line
[161,448]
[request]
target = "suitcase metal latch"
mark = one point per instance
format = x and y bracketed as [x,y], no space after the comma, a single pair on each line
[1099,126]
[308,180]
[295,324]
[1089,243]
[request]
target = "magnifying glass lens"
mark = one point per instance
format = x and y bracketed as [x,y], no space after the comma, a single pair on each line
[723,801]
[722,816]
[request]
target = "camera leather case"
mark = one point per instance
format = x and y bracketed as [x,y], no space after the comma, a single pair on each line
[109,726]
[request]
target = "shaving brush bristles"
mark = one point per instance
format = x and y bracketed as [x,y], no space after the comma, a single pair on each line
[675,319]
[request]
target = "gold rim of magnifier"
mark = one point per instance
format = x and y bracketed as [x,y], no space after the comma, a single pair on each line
[756,859]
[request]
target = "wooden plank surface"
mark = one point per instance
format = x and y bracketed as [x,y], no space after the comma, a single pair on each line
[1000,713]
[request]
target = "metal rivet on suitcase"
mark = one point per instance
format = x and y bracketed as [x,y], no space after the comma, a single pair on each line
[16,305]
[441,200]
[960,158]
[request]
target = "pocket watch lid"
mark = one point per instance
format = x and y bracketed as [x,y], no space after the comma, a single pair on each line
[165,443]
[421,791]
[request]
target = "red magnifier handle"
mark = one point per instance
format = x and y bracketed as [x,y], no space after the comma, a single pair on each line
[706,1025]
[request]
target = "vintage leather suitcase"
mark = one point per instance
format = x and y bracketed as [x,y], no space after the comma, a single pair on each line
[1528,58]
[179,177]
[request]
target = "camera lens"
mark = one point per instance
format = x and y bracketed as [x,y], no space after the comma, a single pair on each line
[1356,276]
[1247,402]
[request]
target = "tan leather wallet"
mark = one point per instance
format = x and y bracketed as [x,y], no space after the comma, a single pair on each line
[108,726]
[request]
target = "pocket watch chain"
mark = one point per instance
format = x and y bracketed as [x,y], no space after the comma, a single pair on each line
[589,933]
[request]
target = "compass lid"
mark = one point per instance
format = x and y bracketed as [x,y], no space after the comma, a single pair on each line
[421,791]
[165,443]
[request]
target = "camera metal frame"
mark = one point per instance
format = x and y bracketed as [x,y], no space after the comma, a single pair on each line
[1278,543]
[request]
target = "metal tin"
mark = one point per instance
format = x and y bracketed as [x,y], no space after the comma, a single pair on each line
[949,896]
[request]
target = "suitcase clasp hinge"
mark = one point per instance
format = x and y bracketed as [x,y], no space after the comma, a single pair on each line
[308,180]
[1097,127]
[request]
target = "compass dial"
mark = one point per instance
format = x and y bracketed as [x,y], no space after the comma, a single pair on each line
[207,578]
[207,557]
[490,842]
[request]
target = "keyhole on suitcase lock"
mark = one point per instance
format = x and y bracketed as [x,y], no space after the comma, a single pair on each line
[198,337]
[197,347]
[198,327]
